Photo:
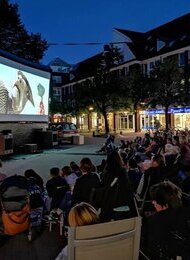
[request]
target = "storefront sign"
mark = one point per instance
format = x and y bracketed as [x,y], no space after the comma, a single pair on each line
[154,111]
[174,110]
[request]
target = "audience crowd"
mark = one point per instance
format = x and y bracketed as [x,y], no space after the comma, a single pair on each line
[149,176]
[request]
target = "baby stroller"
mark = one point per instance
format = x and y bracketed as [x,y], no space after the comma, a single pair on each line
[15,205]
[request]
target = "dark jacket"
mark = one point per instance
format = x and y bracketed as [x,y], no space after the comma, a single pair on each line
[122,194]
[152,176]
[83,187]
[56,188]
[166,234]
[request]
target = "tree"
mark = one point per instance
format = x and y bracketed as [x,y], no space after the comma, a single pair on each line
[104,90]
[15,39]
[135,87]
[166,88]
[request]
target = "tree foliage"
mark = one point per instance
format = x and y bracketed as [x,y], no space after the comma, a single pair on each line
[15,39]
[56,107]
[135,89]
[104,90]
[166,88]
[136,85]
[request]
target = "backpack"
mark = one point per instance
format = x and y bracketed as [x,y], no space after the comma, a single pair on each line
[15,205]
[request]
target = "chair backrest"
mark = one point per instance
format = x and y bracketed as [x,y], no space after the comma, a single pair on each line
[115,240]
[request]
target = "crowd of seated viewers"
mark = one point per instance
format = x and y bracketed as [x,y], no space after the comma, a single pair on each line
[149,175]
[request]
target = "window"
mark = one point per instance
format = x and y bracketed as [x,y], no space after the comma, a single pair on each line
[144,68]
[125,71]
[182,59]
[160,44]
[56,79]
[171,43]
[157,62]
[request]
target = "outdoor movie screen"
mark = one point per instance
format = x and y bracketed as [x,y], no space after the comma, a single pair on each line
[24,92]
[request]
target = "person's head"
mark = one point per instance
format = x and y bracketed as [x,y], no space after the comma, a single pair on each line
[30,173]
[122,142]
[169,140]
[66,170]
[176,139]
[158,161]
[170,149]
[147,135]
[138,159]
[183,139]
[83,214]
[54,172]
[72,163]
[86,165]
[165,195]
[132,163]
[75,167]
[114,159]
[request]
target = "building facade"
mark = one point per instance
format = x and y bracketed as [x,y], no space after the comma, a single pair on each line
[145,49]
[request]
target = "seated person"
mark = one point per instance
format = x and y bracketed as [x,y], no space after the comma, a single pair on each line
[134,173]
[39,181]
[108,145]
[170,154]
[154,174]
[80,215]
[69,176]
[166,234]
[36,207]
[85,183]
[75,168]
[153,147]
[56,187]
[146,140]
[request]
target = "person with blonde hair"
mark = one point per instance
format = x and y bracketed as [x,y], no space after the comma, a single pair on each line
[81,214]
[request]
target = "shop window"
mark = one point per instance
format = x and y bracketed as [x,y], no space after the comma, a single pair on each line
[124,122]
[130,121]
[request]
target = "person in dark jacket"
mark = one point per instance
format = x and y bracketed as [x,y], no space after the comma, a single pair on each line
[85,183]
[39,181]
[122,193]
[56,187]
[166,234]
[155,174]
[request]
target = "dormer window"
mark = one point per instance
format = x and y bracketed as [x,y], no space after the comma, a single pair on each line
[160,44]
[171,43]
[183,37]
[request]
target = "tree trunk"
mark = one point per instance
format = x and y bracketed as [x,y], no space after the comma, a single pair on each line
[106,122]
[166,117]
[137,120]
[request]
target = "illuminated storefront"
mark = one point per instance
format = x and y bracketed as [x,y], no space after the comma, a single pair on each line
[155,118]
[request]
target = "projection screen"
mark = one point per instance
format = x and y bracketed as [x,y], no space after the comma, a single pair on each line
[24,92]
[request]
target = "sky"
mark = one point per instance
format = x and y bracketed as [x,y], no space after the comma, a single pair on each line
[83,21]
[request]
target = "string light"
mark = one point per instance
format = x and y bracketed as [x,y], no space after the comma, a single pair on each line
[82,43]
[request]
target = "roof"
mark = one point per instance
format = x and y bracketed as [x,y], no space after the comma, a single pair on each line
[87,68]
[15,58]
[59,62]
[162,39]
